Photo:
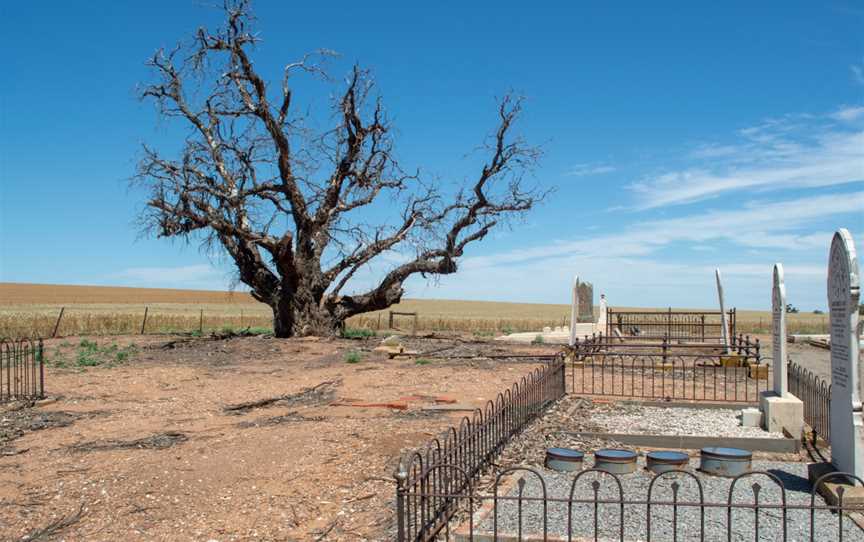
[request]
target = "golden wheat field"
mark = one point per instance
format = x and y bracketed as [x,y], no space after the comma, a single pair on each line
[34,310]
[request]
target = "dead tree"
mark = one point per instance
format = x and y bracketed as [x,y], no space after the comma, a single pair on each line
[300,212]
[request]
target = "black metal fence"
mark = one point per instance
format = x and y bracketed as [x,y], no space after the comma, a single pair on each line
[758,505]
[22,369]
[815,393]
[702,326]
[637,368]
[423,507]
[743,345]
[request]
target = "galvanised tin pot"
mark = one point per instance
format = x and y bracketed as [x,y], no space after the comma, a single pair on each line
[615,461]
[660,462]
[725,461]
[564,459]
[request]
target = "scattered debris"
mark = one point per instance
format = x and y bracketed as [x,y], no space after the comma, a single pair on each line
[291,417]
[54,528]
[159,441]
[396,406]
[321,393]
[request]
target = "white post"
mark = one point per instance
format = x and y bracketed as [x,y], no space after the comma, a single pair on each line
[574,310]
[844,291]
[725,323]
[778,312]
[601,318]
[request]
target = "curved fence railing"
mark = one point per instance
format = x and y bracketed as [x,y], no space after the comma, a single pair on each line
[22,369]
[532,505]
[422,505]
[665,370]
[815,393]
[703,326]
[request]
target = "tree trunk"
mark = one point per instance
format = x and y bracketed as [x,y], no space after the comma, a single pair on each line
[294,319]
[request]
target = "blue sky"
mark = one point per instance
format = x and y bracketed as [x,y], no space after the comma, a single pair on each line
[680,139]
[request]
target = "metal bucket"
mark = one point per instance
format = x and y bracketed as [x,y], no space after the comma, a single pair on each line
[615,461]
[660,462]
[564,459]
[725,461]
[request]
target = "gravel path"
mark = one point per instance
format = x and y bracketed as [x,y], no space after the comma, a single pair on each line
[636,485]
[703,422]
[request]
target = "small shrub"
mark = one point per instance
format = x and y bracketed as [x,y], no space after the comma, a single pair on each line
[353,357]
[423,361]
[507,330]
[484,333]
[538,340]
[357,333]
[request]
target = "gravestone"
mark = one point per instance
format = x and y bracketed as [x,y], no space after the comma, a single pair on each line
[585,309]
[725,324]
[601,317]
[778,320]
[780,409]
[574,310]
[846,426]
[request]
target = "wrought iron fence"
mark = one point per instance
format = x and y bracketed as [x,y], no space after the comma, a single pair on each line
[423,508]
[702,326]
[638,368]
[758,506]
[815,393]
[743,345]
[22,369]
[689,377]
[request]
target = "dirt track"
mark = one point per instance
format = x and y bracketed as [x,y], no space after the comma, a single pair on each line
[146,450]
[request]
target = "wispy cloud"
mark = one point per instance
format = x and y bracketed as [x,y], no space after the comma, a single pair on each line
[756,225]
[858,72]
[795,151]
[581,170]
[189,276]
[848,113]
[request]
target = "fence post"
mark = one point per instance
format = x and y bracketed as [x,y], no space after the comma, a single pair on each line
[41,370]
[415,324]
[378,325]
[57,323]
[401,477]
[144,321]
[390,320]
[201,323]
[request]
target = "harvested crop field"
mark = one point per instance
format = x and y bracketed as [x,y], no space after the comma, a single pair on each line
[30,310]
[231,439]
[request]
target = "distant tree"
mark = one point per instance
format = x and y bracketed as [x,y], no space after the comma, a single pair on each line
[818,311]
[300,212]
[791,309]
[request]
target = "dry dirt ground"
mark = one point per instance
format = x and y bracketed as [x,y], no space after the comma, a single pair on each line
[159,447]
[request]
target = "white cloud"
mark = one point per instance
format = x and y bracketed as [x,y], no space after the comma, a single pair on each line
[757,224]
[848,113]
[199,276]
[795,151]
[858,73]
[581,170]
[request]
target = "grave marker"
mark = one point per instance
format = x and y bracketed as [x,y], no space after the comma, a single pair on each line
[779,349]
[846,425]
[780,409]
[574,310]
[725,324]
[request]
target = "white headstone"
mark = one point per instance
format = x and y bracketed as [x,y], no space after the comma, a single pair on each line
[574,310]
[601,317]
[846,425]
[778,311]
[725,324]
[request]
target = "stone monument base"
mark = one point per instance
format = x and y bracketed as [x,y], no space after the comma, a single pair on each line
[852,495]
[782,412]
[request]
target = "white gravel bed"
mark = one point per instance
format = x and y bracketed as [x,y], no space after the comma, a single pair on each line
[702,422]
[635,487]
